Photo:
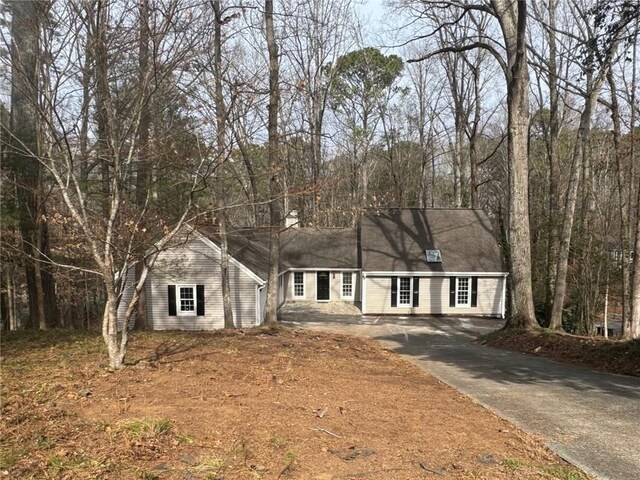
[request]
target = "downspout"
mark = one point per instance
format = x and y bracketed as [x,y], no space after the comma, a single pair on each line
[259,312]
[363,293]
[504,295]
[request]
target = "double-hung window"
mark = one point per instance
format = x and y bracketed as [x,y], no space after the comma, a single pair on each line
[463,292]
[347,285]
[404,291]
[298,284]
[186,299]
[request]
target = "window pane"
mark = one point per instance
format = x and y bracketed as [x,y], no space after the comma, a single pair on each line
[187,299]
[347,285]
[404,291]
[462,293]
[298,284]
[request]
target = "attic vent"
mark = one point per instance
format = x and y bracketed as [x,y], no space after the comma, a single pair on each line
[433,256]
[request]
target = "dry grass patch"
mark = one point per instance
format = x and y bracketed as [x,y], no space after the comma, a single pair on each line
[252,404]
[599,353]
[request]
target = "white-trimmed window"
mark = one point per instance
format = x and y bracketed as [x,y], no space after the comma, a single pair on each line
[347,285]
[186,299]
[298,284]
[404,291]
[463,292]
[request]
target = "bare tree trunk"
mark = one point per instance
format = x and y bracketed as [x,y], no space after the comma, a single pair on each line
[455,77]
[623,206]
[102,91]
[433,178]
[24,158]
[317,108]
[221,130]
[143,174]
[11,294]
[13,316]
[50,310]
[85,302]
[552,153]
[110,327]
[579,152]
[311,47]
[633,330]
[422,197]
[457,171]
[275,212]
[4,300]
[420,85]
[473,139]
[512,17]
[246,159]
[593,88]
[224,270]
[391,158]
[634,321]
[38,266]
[513,21]
[117,347]
[99,219]
[86,103]
[364,181]
[111,199]
[316,152]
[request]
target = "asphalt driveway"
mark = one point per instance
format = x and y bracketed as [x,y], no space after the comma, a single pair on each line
[591,419]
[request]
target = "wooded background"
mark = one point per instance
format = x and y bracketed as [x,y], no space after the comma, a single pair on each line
[123,120]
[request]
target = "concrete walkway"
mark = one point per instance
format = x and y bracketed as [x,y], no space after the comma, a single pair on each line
[591,419]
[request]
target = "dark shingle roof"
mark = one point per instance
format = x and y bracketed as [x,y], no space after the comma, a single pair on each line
[319,248]
[251,254]
[392,240]
[243,248]
[396,240]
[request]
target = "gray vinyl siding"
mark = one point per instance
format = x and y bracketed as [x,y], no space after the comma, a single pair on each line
[288,288]
[335,287]
[434,297]
[309,287]
[198,264]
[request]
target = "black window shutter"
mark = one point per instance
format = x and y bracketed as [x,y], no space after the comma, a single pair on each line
[200,300]
[474,291]
[171,297]
[394,291]
[452,291]
[416,291]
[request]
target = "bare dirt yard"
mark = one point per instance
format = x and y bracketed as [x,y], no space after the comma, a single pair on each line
[252,404]
[606,355]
